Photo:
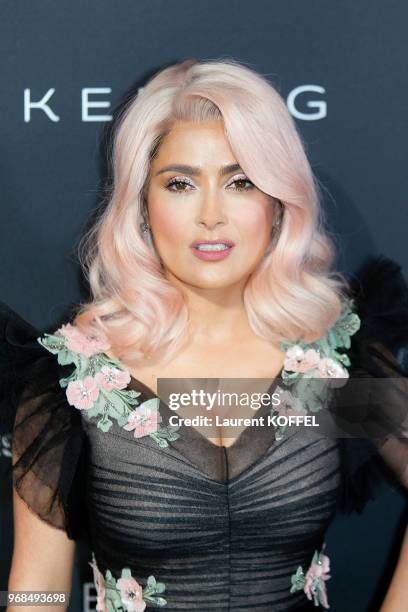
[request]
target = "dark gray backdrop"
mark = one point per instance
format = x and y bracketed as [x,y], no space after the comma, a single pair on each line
[350,59]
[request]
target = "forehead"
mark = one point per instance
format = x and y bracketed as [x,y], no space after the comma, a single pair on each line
[195,143]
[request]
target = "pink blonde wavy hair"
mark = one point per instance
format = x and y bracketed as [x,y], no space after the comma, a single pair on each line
[291,295]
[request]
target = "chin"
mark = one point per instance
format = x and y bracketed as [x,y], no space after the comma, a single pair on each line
[219,283]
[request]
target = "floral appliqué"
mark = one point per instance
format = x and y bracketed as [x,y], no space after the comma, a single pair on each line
[313,583]
[322,359]
[125,594]
[312,370]
[98,386]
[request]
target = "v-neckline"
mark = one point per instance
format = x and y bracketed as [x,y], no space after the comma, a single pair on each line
[222,464]
[145,388]
[134,382]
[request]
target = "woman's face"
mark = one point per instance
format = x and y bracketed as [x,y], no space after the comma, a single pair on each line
[205,198]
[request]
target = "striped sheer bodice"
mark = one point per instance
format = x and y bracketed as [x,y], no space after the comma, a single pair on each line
[223,528]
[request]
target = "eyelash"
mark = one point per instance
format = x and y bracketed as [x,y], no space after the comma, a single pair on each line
[183,181]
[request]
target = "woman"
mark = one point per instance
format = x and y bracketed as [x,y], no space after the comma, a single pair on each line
[209,260]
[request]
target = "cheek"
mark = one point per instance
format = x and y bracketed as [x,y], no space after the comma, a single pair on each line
[255,220]
[169,229]
[167,219]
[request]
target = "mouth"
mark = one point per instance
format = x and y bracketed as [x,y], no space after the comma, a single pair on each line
[212,250]
[211,246]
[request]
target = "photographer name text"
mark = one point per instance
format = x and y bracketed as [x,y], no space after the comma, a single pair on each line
[275,420]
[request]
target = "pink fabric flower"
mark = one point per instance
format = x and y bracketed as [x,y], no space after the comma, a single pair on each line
[78,342]
[109,378]
[298,360]
[144,419]
[99,583]
[82,393]
[328,368]
[131,594]
[315,578]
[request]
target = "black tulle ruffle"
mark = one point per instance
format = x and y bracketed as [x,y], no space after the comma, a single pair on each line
[380,294]
[48,442]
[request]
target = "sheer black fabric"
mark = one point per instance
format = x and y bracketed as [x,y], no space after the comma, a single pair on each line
[223,528]
[48,441]
[376,454]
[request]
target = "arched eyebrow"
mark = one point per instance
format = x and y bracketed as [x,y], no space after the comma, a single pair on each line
[196,171]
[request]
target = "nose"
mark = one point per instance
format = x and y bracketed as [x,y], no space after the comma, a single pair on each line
[211,210]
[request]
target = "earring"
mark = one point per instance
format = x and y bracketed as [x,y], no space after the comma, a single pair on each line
[276,229]
[279,218]
[144,226]
[147,237]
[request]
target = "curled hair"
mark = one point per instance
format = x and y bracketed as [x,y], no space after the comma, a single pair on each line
[291,295]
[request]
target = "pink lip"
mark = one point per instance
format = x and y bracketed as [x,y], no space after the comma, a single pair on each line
[223,240]
[212,255]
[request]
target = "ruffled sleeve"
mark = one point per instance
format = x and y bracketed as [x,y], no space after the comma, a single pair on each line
[48,440]
[372,409]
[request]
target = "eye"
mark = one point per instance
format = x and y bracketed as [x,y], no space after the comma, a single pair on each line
[176,183]
[240,184]
[180,184]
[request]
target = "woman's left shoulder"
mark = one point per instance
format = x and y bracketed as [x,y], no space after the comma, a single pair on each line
[374,404]
[379,298]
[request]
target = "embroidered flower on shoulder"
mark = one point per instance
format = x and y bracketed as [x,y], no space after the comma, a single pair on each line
[328,368]
[82,393]
[300,360]
[78,342]
[125,594]
[313,583]
[98,386]
[322,358]
[313,369]
[143,419]
[109,378]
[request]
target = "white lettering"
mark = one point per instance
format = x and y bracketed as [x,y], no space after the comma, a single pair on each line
[320,105]
[42,104]
[87,104]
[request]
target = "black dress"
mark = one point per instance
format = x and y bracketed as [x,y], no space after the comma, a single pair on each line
[171,519]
